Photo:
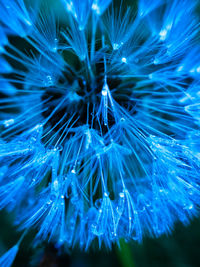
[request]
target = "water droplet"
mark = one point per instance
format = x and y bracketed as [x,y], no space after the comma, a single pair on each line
[190,207]
[163,34]
[121,195]
[55,185]
[106,194]
[73,171]
[96,8]
[9,122]
[124,60]
[156,61]
[104,92]
[115,46]
[151,76]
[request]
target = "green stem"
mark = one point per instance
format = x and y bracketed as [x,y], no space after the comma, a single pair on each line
[125,255]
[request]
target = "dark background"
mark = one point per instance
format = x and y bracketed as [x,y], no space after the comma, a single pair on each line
[180,249]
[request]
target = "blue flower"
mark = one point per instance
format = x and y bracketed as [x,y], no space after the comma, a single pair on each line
[99,119]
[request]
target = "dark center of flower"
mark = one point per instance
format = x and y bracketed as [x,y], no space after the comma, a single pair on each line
[81,99]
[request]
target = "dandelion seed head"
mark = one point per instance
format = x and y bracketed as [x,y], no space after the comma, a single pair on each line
[100,119]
